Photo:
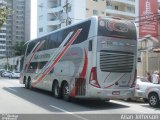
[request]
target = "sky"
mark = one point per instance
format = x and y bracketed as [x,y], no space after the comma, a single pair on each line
[33,19]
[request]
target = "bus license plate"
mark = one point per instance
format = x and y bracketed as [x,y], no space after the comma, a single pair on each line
[116,93]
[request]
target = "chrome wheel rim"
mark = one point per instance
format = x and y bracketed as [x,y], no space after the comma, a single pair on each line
[153,100]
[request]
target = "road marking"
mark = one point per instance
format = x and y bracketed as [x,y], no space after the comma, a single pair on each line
[137,110]
[77,116]
[12,89]
[127,104]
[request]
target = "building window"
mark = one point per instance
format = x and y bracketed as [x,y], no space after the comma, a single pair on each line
[129,9]
[40,29]
[41,6]
[40,17]
[95,0]
[102,12]
[87,9]
[116,7]
[108,3]
[69,8]
[95,12]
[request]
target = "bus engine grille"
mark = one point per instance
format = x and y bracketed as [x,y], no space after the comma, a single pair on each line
[116,62]
[80,85]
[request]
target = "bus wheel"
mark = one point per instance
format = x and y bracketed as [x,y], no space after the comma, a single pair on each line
[65,92]
[56,90]
[29,84]
[26,84]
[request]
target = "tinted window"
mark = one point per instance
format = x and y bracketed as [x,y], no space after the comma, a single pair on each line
[32,67]
[42,64]
[55,39]
[44,45]
[84,33]
[30,47]
[52,41]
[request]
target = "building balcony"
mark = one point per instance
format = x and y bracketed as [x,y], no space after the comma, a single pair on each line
[116,12]
[54,10]
[53,22]
[130,2]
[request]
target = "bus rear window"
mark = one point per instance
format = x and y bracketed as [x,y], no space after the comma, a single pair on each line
[117,28]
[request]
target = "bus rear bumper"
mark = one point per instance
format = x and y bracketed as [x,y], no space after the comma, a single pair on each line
[111,93]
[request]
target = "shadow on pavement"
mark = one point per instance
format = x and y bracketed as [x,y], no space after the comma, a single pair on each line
[44,99]
[148,106]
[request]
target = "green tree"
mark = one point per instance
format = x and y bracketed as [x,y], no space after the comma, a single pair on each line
[4,11]
[19,48]
[3,15]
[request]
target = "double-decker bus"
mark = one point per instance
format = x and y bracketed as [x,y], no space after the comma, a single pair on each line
[92,59]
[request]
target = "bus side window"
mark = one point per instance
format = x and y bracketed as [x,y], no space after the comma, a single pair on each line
[90,45]
[52,70]
[52,41]
[44,45]
[60,38]
[30,47]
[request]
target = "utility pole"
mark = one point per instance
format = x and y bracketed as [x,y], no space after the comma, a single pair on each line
[66,6]
[67,12]
[7,65]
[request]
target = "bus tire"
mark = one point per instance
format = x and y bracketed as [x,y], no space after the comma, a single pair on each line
[26,84]
[56,90]
[65,92]
[30,85]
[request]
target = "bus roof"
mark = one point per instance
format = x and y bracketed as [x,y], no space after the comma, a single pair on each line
[92,17]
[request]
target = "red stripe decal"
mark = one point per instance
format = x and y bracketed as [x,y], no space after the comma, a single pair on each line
[58,58]
[74,91]
[33,54]
[84,70]
[106,78]
[115,82]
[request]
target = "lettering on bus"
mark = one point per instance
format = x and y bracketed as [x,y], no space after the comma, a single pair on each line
[107,44]
[42,56]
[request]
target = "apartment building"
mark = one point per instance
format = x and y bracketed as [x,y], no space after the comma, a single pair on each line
[2,42]
[2,37]
[17,26]
[54,14]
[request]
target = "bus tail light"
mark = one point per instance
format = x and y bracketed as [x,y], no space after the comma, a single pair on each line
[93,78]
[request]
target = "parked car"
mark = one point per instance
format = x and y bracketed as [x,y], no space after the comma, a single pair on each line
[153,95]
[14,75]
[1,71]
[141,84]
[6,74]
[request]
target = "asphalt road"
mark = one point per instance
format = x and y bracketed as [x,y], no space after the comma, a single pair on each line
[15,99]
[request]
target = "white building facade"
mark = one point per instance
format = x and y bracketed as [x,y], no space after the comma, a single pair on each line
[2,42]
[54,14]
[3,36]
